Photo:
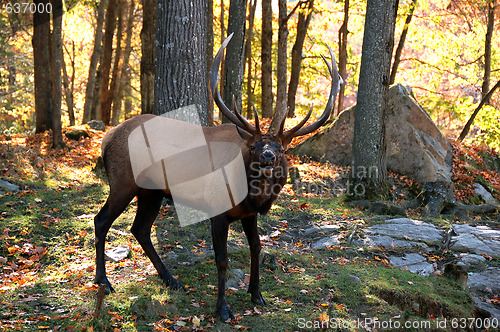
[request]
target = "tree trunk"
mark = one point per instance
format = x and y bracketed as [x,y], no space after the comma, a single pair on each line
[94,59]
[234,64]
[223,62]
[399,49]
[368,171]
[124,66]
[343,32]
[210,55]
[248,58]
[41,60]
[305,15]
[69,84]
[487,48]
[281,100]
[56,67]
[148,56]
[107,75]
[266,59]
[181,77]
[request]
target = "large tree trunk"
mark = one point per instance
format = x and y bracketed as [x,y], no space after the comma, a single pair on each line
[69,84]
[267,64]
[94,59]
[368,159]
[124,67]
[234,64]
[210,55]
[343,32]
[223,62]
[181,76]
[56,67]
[248,58]
[281,100]
[487,48]
[305,15]
[41,60]
[401,43]
[148,56]
[109,30]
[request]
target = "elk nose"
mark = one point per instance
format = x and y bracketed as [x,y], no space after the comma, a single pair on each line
[267,157]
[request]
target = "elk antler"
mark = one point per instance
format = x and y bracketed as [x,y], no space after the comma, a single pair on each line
[236,119]
[336,81]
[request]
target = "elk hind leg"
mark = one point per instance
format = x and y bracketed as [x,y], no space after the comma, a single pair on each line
[148,206]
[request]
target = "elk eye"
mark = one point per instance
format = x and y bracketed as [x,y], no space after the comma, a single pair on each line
[252,147]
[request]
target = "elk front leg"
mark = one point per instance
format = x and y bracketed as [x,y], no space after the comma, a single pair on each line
[220,228]
[252,233]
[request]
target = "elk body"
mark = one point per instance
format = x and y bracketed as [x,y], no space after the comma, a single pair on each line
[266,171]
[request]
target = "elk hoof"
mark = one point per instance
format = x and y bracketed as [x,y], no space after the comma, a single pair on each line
[109,289]
[176,285]
[225,313]
[258,299]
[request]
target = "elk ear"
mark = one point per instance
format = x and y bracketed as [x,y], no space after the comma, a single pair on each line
[244,134]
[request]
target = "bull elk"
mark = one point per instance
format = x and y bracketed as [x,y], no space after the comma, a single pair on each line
[266,172]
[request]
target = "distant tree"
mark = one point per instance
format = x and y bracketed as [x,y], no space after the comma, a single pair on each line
[94,61]
[280,112]
[234,62]
[266,59]
[210,54]
[56,72]
[487,47]
[248,57]
[180,73]
[148,56]
[305,14]
[343,32]
[69,84]
[368,168]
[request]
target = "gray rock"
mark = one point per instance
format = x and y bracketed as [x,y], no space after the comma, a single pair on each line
[408,229]
[322,229]
[485,194]
[472,259]
[414,145]
[234,278]
[97,125]
[486,282]
[491,309]
[412,262]
[116,254]
[477,239]
[8,187]
[354,279]
[268,260]
[390,242]
[326,242]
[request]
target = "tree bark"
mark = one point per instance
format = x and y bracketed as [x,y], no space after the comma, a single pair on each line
[281,100]
[69,84]
[107,75]
[223,62]
[266,59]
[148,56]
[343,32]
[487,48]
[94,60]
[56,67]
[368,171]
[234,63]
[401,43]
[41,59]
[210,55]
[305,15]
[248,58]
[181,77]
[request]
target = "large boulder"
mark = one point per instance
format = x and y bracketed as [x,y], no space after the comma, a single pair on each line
[414,145]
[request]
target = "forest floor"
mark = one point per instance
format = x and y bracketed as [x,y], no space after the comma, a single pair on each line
[47,254]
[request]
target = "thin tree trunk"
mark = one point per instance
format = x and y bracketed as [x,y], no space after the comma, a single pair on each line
[305,15]
[343,33]
[94,59]
[69,85]
[399,49]
[368,170]
[210,55]
[148,56]
[114,21]
[248,58]
[235,64]
[266,59]
[124,66]
[181,76]
[484,101]
[42,77]
[223,62]
[56,67]
[487,48]
[281,100]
